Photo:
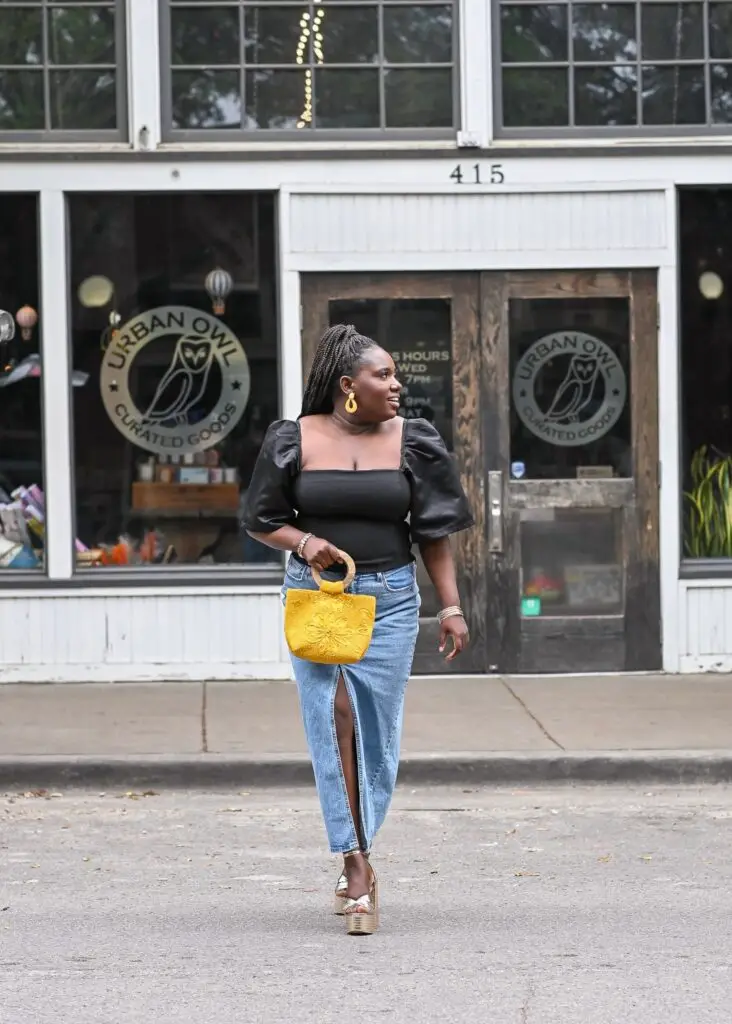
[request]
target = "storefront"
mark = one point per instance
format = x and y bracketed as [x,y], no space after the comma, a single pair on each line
[165,295]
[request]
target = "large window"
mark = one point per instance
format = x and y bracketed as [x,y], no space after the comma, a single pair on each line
[22,498]
[643,65]
[274,65]
[174,349]
[61,68]
[705,230]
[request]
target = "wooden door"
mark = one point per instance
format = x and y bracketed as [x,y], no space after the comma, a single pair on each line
[430,324]
[570,442]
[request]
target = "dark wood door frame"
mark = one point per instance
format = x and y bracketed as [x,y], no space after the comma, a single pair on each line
[637,497]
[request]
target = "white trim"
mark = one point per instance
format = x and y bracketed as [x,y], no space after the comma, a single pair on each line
[290,328]
[469,261]
[692,664]
[138,672]
[668,447]
[143,73]
[474,73]
[95,590]
[56,385]
[711,583]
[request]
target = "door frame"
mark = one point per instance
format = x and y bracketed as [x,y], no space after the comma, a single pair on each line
[638,496]
[462,289]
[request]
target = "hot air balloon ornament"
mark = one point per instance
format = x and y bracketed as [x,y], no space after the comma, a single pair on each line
[26,318]
[218,284]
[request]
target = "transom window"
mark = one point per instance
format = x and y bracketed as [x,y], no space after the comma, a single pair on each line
[301,66]
[60,68]
[643,64]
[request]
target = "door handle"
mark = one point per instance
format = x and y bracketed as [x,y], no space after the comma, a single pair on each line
[495,512]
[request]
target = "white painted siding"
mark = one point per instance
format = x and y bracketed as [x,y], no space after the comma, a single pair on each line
[349,224]
[139,636]
[707,628]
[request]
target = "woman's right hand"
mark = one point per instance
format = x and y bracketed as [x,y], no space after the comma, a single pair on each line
[321,554]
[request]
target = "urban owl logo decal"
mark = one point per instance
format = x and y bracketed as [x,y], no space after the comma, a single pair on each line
[569,388]
[175,379]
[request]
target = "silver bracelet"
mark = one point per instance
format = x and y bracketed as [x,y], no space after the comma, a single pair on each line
[454,611]
[303,542]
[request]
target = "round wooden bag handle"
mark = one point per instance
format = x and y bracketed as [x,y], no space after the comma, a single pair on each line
[350,571]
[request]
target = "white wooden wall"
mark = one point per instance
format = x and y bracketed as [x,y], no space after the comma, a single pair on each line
[706,626]
[107,636]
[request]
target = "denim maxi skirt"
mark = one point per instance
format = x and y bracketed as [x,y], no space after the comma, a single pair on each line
[375,687]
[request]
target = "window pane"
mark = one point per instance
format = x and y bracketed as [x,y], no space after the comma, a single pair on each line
[673,95]
[672,31]
[206,99]
[22,501]
[201,36]
[720,30]
[181,391]
[278,99]
[277,35]
[81,35]
[346,99]
[721,77]
[604,32]
[532,34]
[21,37]
[83,100]
[606,96]
[571,562]
[415,35]
[21,101]
[570,375]
[346,35]
[535,97]
[419,99]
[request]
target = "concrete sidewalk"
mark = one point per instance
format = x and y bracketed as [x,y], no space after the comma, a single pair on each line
[480,729]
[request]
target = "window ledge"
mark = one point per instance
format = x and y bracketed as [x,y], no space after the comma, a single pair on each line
[706,569]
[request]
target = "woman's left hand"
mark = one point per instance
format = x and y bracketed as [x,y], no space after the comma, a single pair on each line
[457,628]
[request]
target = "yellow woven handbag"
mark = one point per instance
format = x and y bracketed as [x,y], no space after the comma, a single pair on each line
[329,626]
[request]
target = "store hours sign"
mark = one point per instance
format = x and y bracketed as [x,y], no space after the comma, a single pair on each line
[425,372]
[175,380]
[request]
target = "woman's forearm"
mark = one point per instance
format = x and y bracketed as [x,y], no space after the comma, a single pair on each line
[286,538]
[440,566]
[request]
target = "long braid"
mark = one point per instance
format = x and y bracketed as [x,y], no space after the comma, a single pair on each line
[339,353]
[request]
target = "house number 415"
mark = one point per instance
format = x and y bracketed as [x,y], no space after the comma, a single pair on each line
[478,174]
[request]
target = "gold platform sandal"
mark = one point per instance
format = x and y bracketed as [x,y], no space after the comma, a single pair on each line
[341,890]
[362,913]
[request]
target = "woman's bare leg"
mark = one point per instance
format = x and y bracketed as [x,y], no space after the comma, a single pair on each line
[356,868]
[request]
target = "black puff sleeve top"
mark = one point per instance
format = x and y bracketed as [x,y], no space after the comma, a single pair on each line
[376,515]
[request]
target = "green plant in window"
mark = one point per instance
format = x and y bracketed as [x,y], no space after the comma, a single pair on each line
[708,506]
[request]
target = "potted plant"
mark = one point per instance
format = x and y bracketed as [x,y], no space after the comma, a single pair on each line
[708,506]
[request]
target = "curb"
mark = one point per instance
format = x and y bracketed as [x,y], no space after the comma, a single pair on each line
[207,771]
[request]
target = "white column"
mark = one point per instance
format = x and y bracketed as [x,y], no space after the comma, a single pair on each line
[56,385]
[475,63]
[143,73]
[290,325]
[668,443]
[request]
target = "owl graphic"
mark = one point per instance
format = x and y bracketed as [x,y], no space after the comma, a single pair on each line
[576,391]
[183,383]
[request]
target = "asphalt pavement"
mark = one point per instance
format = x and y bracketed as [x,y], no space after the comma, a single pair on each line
[569,905]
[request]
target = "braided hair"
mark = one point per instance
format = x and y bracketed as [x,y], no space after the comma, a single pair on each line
[339,354]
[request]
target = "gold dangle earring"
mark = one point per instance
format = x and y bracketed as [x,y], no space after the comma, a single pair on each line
[351,403]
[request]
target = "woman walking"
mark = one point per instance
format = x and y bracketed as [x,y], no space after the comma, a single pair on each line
[351,477]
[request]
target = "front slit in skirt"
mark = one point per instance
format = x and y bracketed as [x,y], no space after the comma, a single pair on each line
[376,687]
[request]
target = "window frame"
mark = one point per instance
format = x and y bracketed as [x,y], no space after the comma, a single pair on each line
[637,131]
[77,135]
[170,134]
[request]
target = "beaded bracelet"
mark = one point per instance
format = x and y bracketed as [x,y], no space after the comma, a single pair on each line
[448,613]
[303,542]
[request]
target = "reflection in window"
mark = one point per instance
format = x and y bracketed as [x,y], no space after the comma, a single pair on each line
[627,64]
[59,66]
[301,66]
[571,562]
[22,498]
[570,381]
[173,319]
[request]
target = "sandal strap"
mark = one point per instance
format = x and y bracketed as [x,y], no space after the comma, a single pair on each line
[341,884]
[362,902]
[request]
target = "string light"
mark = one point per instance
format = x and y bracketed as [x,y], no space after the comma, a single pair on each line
[308,31]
